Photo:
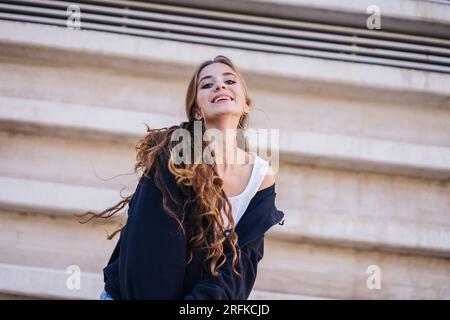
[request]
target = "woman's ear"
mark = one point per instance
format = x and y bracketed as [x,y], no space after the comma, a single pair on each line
[198,114]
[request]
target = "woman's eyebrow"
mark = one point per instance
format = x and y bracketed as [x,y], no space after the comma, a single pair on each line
[224,74]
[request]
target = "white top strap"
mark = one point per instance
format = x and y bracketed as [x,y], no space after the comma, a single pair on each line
[240,202]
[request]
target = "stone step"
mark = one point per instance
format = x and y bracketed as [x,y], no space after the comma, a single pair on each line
[52,198]
[345,152]
[343,273]
[306,269]
[24,282]
[365,232]
[358,230]
[176,57]
[47,283]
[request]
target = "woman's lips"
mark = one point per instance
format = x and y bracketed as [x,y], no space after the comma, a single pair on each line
[222,101]
[222,97]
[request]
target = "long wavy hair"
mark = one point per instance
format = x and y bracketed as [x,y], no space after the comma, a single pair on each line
[202,188]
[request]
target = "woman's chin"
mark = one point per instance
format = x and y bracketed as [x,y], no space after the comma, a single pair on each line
[227,110]
[228,106]
[222,104]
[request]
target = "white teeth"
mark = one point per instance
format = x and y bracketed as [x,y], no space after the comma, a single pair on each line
[222,98]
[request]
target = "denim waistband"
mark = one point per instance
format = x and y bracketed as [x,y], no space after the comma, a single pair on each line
[105,296]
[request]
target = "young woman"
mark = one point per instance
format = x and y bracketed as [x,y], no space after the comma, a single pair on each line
[195,229]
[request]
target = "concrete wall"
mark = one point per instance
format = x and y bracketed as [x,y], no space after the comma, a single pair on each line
[364,175]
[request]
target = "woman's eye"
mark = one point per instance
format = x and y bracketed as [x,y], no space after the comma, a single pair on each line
[207,85]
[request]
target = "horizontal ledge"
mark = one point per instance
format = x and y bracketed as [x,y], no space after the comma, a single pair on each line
[51,283]
[177,56]
[424,15]
[365,154]
[79,120]
[426,11]
[355,231]
[366,233]
[47,283]
[271,295]
[405,16]
[217,19]
[328,150]
[243,40]
[33,196]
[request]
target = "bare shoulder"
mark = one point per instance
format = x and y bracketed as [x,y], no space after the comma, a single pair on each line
[269,180]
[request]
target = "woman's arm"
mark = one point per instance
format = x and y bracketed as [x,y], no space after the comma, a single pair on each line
[227,285]
[153,248]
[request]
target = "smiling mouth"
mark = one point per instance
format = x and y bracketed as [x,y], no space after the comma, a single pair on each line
[223,100]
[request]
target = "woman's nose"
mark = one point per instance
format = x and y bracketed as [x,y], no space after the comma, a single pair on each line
[220,85]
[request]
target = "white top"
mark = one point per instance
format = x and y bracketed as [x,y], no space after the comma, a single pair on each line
[241,201]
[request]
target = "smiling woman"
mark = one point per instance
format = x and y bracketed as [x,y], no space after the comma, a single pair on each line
[219,87]
[185,237]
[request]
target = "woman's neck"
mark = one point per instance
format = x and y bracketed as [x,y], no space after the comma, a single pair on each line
[226,152]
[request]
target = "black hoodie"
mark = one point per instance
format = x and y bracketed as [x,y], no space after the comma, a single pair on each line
[149,260]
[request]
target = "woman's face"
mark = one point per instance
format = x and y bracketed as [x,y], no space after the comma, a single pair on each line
[219,92]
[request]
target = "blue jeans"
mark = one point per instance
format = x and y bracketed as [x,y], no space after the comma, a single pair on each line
[105,296]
